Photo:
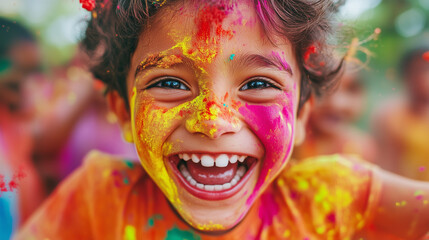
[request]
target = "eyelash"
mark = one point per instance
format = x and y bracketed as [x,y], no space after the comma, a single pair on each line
[267,84]
[179,85]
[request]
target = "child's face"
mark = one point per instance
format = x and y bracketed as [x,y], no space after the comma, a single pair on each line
[208,84]
[23,60]
[338,110]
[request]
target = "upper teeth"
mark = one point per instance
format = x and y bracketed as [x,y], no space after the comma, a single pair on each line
[219,187]
[209,161]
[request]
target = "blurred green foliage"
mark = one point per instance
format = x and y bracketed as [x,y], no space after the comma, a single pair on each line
[384,80]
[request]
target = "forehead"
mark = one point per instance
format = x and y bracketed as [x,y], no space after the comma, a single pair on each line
[209,29]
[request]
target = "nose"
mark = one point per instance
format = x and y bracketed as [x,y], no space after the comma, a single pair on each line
[213,119]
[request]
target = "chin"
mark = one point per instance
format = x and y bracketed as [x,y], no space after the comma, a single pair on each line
[213,188]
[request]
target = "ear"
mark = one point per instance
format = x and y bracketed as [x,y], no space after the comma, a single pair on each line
[301,121]
[118,106]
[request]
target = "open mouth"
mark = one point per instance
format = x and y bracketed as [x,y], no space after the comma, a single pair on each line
[212,176]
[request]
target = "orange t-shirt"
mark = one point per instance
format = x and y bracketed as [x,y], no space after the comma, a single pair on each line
[328,197]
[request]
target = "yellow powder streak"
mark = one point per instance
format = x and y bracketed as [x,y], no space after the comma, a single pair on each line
[130,233]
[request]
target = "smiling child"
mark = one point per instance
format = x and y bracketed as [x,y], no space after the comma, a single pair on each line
[213,94]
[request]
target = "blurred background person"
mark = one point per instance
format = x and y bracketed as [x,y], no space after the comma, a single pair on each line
[45,118]
[401,124]
[20,58]
[331,126]
[72,111]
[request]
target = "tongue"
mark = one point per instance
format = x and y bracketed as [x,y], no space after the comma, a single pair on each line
[212,175]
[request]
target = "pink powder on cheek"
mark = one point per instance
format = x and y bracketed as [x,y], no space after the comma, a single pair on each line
[273,125]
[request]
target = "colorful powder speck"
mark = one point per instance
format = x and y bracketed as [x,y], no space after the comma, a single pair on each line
[426,56]
[129,164]
[151,220]
[13,183]
[419,195]
[175,234]
[130,233]
[3,187]
[422,169]
[331,217]
[88,4]
[284,65]
[286,233]
[310,50]
[231,57]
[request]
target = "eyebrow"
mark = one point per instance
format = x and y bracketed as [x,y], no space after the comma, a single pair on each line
[161,60]
[274,61]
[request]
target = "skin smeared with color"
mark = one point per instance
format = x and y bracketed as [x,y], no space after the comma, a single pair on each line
[211,112]
[273,126]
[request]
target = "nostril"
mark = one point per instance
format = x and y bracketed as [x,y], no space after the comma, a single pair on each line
[212,128]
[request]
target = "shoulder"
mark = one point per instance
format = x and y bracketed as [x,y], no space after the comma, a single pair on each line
[102,166]
[328,165]
[338,171]
[80,202]
[110,175]
[336,190]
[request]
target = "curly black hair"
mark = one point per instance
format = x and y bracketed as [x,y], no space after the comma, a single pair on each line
[116,25]
[12,33]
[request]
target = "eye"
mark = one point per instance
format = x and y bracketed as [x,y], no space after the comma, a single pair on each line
[258,83]
[169,83]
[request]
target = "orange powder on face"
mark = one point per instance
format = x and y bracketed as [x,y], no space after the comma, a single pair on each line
[159,60]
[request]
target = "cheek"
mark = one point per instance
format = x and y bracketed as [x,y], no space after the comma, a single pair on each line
[151,127]
[274,126]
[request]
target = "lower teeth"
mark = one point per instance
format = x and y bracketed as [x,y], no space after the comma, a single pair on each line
[238,175]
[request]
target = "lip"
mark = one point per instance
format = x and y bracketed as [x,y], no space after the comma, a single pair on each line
[174,160]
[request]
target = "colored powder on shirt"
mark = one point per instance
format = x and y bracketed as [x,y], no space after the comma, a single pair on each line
[176,233]
[129,164]
[151,220]
[130,233]
[268,209]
